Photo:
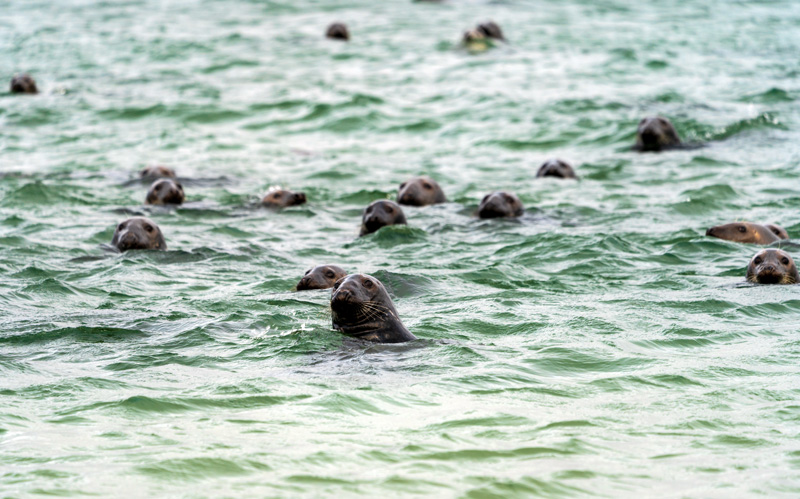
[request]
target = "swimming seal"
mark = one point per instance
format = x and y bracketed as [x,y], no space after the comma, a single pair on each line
[23,84]
[361,308]
[279,198]
[138,233]
[338,31]
[479,38]
[156,172]
[321,277]
[380,214]
[420,191]
[556,168]
[778,231]
[165,191]
[500,204]
[744,232]
[772,266]
[656,134]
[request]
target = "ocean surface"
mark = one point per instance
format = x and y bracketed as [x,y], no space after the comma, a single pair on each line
[599,346]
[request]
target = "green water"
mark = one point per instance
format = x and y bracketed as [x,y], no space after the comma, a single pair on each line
[599,346]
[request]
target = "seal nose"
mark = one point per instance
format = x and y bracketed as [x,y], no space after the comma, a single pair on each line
[710,232]
[769,269]
[303,283]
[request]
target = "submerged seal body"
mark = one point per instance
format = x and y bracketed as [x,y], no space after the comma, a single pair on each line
[744,232]
[772,266]
[156,172]
[165,191]
[778,231]
[380,214]
[338,31]
[138,233]
[556,168]
[321,277]
[361,307]
[279,198]
[23,84]
[500,204]
[420,191]
[656,134]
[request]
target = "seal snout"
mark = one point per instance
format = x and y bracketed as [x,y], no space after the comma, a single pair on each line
[710,232]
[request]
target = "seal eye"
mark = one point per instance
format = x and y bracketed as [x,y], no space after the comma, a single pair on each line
[742,229]
[158,187]
[276,195]
[368,283]
[121,226]
[389,209]
[148,228]
[307,271]
[757,260]
[785,261]
[337,284]
[485,198]
[403,185]
[427,186]
[330,274]
[508,198]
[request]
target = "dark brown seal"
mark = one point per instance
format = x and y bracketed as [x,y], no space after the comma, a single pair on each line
[420,191]
[165,191]
[361,307]
[656,134]
[772,266]
[744,232]
[23,84]
[556,168]
[138,233]
[778,231]
[380,214]
[279,198]
[500,204]
[338,31]
[321,277]
[482,32]
[155,172]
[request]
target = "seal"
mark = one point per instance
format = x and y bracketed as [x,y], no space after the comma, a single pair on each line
[138,233]
[338,31]
[23,84]
[778,231]
[361,308]
[744,232]
[656,134]
[478,38]
[420,191]
[321,277]
[380,214]
[556,168]
[772,266]
[165,191]
[279,198]
[500,204]
[156,172]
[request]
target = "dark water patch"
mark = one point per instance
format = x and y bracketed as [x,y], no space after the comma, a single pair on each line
[195,469]
[79,334]
[774,95]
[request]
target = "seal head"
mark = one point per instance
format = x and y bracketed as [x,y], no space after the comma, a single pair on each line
[656,134]
[500,204]
[165,191]
[380,214]
[772,266]
[321,277]
[778,231]
[744,232]
[556,168]
[361,307]
[338,31]
[420,191]
[156,172]
[23,84]
[279,198]
[138,233]
[490,29]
